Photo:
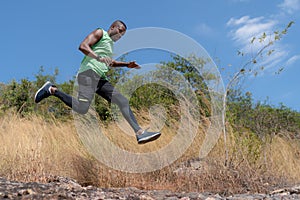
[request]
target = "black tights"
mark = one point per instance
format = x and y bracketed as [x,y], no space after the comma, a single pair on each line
[90,83]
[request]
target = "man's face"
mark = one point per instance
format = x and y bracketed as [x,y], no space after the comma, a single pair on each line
[117,31]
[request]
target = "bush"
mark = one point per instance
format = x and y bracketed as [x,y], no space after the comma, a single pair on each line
[261,118]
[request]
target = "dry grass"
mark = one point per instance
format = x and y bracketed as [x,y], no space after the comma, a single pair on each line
[32,149]
[284,158]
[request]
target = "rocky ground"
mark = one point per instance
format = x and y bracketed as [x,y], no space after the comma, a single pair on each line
[65,188]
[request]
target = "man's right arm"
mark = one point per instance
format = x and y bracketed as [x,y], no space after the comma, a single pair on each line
[86,45]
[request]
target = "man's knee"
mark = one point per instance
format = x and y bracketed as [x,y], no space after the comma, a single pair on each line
[120,100]
[83,107]
[83,110]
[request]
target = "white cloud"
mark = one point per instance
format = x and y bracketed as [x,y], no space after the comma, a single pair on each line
[290,6]
[274,61]
[243,20]
[245,28]
[293,59]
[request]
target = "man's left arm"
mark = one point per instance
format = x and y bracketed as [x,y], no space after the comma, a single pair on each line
[131,64]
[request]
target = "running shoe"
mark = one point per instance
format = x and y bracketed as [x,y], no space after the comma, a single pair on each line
[43,92]
[147,137]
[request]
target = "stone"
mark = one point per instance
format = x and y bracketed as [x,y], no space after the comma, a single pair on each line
[65,188]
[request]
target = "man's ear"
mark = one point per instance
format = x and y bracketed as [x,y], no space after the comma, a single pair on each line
[112,27]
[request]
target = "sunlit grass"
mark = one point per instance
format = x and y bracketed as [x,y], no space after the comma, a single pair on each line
[32,149]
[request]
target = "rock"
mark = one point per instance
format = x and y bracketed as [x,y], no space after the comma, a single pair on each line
[65,188]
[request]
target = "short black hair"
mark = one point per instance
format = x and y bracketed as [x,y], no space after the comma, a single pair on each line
[119,21]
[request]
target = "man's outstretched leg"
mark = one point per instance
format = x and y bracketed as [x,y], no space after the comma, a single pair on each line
[87,82]
[80,105]
[107,91]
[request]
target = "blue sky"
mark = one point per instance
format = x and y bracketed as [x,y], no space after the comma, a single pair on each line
[47,33]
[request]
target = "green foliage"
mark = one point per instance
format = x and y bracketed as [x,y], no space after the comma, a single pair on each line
[151,94]
[102,107]
[190,68]
[261,118]
[169,84]
[187,67]
[155,94]
[18,96]
[249,144]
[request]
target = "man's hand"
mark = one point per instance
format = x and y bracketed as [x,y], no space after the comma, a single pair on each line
[133,64]
[107,60]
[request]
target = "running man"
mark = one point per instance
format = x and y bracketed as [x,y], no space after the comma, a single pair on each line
[98,49]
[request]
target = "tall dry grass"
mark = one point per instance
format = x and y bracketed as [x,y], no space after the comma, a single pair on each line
[34,149]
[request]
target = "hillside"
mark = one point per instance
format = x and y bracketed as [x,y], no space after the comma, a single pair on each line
[32,149]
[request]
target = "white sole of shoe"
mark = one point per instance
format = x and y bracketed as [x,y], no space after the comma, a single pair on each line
[149,137]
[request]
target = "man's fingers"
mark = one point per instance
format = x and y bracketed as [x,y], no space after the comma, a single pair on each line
[106,60]
[132,65]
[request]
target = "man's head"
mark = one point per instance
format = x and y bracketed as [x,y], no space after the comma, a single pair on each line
[117,30]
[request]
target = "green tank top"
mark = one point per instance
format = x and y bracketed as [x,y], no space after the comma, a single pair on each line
[103,48]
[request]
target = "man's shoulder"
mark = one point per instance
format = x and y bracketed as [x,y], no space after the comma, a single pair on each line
[100,29]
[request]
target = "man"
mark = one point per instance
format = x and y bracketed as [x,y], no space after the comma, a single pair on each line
[98,49]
